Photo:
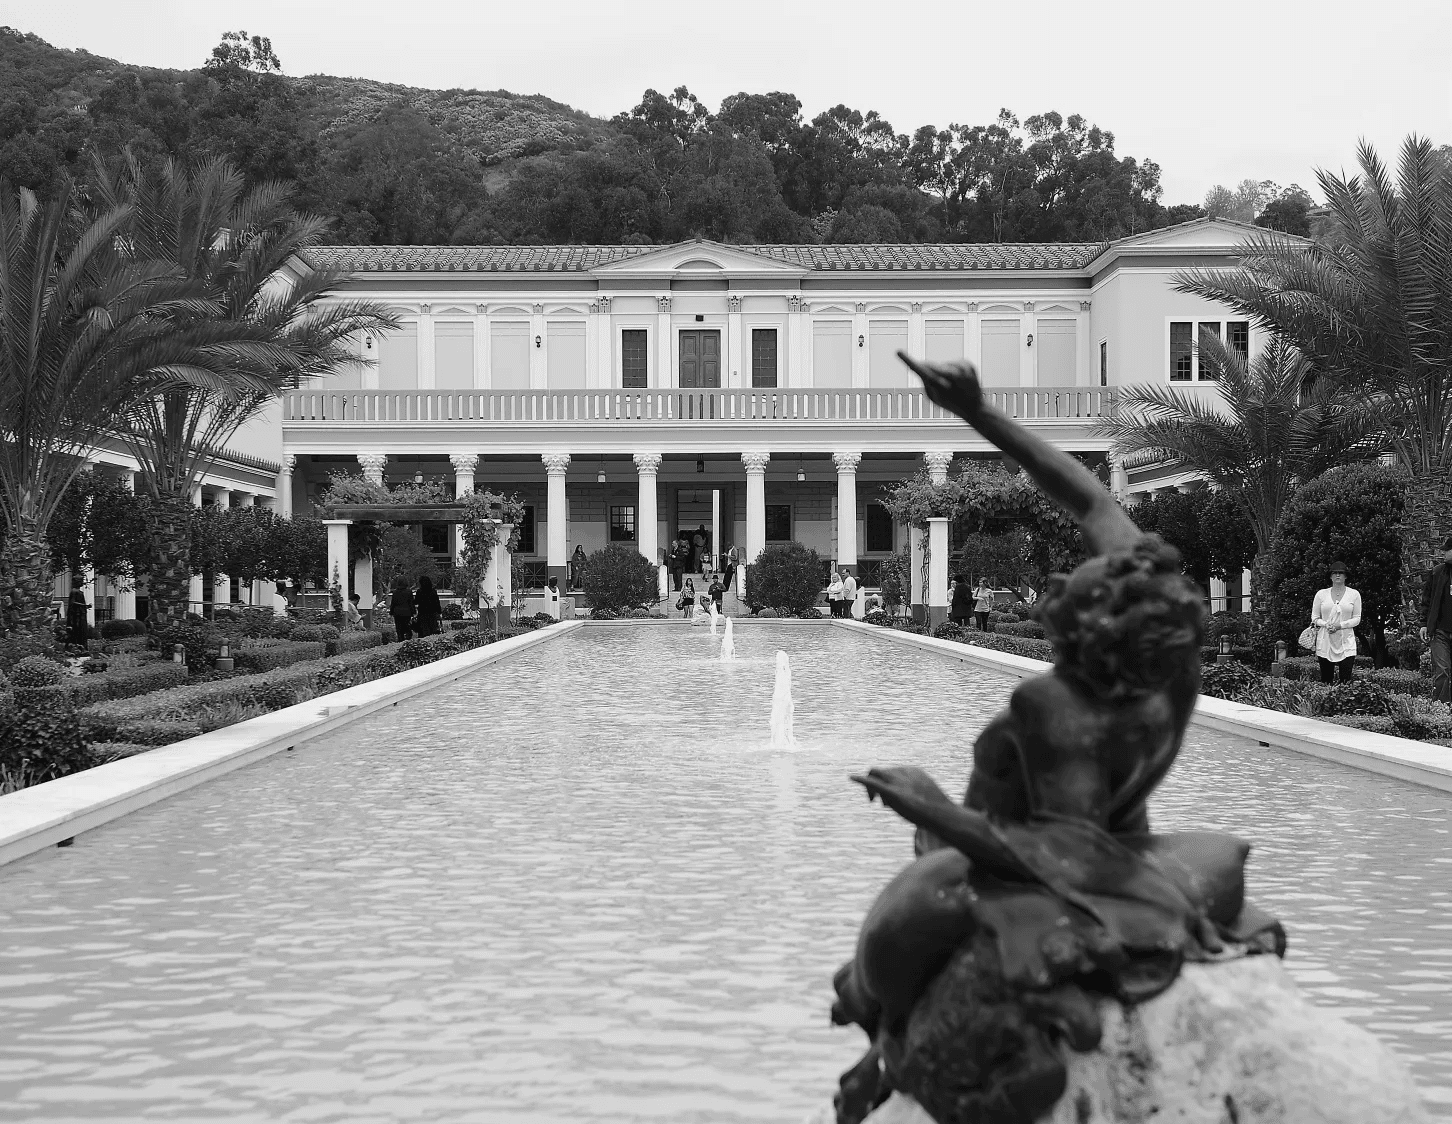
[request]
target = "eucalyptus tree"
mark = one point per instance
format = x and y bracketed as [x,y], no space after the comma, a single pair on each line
[1370,305]
[241,242]
[1271,427]
[83,332]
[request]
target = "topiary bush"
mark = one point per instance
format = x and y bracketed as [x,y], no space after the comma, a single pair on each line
[1234,681]
[1032,629]
[115,629]
[879,618]
[276,696]
[619,578]
[314,633]
[415,653]
[602,614]
[786,577]
[36,671]
[1358,697]
[451,611]
[1402,682]
[767,614]
[277,655]
[42,738]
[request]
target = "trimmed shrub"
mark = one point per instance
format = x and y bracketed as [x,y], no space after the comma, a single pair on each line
[42,737]
[278,655]
[154,731]
[451,611]
[1419,718]
[1360,696]
[314,633]
[1402,682]
[200,644]
[879,618]
[34,672]
[1234,681]
[618,577]
[276,695]
[1032,629]
[281,627]
[354,642]
[601,614]
[415,652]
[1373,723]
[115,629]
[767,614]
[1013,645]
[786,577]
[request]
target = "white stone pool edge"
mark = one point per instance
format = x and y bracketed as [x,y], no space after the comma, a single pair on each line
[50,813]
[1402,758]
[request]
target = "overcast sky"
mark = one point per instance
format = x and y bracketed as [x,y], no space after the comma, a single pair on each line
[1213,92]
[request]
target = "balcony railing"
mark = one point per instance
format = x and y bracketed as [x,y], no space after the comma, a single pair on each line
[675,407]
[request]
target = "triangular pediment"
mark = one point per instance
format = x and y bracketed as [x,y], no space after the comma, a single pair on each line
[697,259]
[1196,234]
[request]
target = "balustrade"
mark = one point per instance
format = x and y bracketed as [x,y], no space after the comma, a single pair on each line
[675,407]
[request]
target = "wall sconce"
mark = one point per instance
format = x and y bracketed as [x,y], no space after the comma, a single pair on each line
[537,341]
[863,339]
[701,466]
[368,342]
[801,471]
[600,476]
[1030,339]
[418,477]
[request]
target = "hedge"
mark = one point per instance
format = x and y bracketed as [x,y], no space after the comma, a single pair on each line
[125,682]
[278,655]
[354,642]
[1031,629]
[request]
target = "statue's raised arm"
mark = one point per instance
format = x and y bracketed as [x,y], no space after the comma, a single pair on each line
[955,387]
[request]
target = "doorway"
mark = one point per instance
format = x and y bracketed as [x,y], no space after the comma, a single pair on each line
[700,359]
[708,508]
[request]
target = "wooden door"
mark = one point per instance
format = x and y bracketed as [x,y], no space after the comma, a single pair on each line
[700,362]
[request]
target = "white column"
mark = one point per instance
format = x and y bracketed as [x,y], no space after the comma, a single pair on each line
[464,466]
[973,336]
[338,553]
[498,585]
[664,366]
[937,570]
[1086,365]
[221,583]
[363,581]
[482,374]
[917,331]
[847,508]
[126,587]
[794,370]
[648,465]
[1118,480]
[605,342]
[556,516]
[284,485]
[88,577]
[426,380]
[373,465]
[736,360]
[194,587]
[247,594]
[755,463]
[539,378]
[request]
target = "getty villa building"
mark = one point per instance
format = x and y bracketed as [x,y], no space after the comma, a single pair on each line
[627,393]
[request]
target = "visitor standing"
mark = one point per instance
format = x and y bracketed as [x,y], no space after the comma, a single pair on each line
[552,597]
[1437,622]
[960,607]
[400,608]
[577,568]
[733,559]
[686,602]
[680,554]
[426,603]
[77,628]
[700,548]
[1335,613]
[717,593]
[982,604]
[834,594]
[849,595]
[352,617]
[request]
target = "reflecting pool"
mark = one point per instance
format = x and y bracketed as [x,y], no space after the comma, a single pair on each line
[579,886]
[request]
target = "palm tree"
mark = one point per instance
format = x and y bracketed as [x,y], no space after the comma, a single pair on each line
[238,241]
[82,332]
[1271,428]
[1370,305]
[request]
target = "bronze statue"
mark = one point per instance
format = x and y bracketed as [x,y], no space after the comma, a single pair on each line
[1045,889]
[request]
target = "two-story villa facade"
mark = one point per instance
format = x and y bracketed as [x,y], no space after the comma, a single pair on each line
[631,393]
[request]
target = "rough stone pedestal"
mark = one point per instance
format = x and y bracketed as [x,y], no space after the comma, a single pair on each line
[1232,1043]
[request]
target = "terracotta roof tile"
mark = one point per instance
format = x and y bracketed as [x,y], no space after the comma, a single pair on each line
[830,259]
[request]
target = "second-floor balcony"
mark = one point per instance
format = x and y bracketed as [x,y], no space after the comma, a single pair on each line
[670,421]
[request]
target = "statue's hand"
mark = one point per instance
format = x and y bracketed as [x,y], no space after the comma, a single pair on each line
[953,386]
[902,787]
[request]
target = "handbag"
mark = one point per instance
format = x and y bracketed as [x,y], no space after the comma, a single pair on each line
[681,601]
[1307,639]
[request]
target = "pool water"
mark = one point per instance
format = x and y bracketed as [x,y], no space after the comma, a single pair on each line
[578,886]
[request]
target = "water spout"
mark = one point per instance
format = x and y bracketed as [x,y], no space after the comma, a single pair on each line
[715,616]
[728,645]
[783,710]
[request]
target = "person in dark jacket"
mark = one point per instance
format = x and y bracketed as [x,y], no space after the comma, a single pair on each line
[77,628]
[961,610]
[1437,622]
[426,603]
[401,609]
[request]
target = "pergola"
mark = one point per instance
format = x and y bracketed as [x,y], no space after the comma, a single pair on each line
[344,516]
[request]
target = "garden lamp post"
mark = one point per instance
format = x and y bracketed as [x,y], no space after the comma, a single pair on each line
[1224,654]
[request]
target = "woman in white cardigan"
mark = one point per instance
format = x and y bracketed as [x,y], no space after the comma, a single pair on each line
[1336,612]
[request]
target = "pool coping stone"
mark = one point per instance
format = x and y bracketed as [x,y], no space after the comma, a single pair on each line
[43,815]
[1401,758]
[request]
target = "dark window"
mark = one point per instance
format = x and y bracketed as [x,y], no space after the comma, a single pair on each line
[877,528]
[632,357]
[1237,338]
[1104,363]
[435,537]
[763,356]
[622,523]
[1182,357]
[1209,370]
[778,522]
[526,531]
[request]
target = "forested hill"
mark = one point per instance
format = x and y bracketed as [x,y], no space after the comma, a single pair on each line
[397,164]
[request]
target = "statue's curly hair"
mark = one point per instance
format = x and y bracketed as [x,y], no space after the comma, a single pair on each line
[1125,621]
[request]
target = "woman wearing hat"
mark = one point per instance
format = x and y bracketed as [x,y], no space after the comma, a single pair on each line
[1335,613]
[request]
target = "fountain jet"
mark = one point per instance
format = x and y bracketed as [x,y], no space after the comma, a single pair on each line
[715,616]
[728,645]
[783,710]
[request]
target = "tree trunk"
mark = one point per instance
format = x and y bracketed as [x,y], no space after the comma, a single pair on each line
[26,582]
[169,576]
[1426,521]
